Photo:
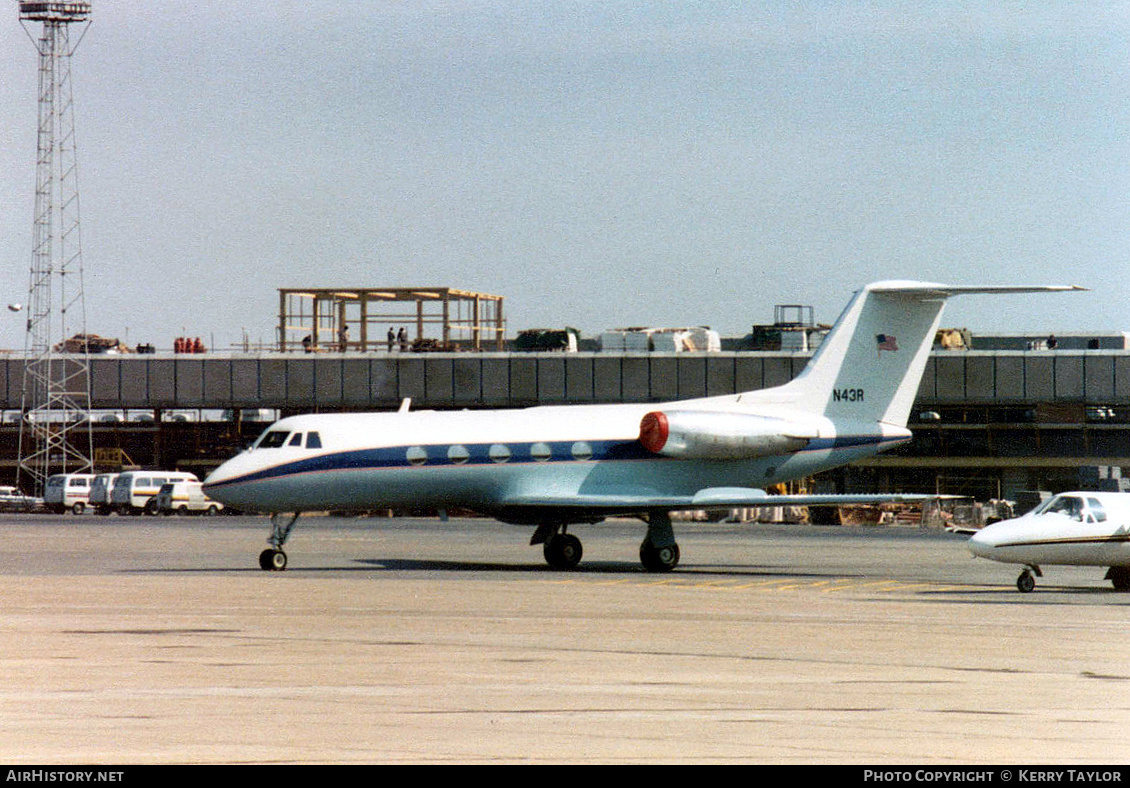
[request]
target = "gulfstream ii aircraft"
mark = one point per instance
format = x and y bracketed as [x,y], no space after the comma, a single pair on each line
[556,466]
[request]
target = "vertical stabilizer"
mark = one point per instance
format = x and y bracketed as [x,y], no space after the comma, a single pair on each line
[870,365]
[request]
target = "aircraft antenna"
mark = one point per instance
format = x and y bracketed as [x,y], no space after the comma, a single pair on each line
[55,432]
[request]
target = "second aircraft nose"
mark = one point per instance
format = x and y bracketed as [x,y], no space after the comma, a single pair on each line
[979,545]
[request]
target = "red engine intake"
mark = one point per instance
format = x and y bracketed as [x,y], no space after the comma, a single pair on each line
[722,435]
[654,431]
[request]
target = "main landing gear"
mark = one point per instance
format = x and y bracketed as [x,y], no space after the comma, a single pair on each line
[1119,577]
[562,550]
[658,553]
[273,559]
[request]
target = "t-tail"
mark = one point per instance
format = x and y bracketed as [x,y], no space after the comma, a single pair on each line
[869,367]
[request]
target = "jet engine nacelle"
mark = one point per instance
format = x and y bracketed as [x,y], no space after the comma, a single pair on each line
[717,435]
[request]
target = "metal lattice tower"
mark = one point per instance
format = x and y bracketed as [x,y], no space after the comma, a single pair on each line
[55,435]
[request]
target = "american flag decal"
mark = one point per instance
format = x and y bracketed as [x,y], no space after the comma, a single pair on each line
[887,342]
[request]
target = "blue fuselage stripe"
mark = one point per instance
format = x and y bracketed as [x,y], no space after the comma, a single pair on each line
[478,454]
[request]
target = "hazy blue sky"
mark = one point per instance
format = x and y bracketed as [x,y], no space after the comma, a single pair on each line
[598,163]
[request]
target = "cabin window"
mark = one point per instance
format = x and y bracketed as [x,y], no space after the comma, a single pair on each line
[313,440]
[541,451]
[499,453]
[273,440]
[296,440]
[417,455]
[582,450]
[458,454]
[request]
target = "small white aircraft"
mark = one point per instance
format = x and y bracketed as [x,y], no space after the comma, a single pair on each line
[1069,529]
[556,466]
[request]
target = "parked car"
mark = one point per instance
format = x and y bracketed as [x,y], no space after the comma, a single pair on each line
[68,492]
[136,491]
[12,500]
[100,491]
[186,497]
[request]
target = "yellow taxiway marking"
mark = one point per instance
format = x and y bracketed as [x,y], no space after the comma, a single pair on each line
[829,585]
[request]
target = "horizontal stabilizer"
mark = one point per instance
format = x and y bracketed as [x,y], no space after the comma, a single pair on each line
[945,291]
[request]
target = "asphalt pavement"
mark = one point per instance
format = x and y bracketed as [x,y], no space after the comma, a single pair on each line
[414,641]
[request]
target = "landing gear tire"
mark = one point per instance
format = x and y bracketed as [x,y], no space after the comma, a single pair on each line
[272,560]
[1026,582]
[563,551]
[659,559]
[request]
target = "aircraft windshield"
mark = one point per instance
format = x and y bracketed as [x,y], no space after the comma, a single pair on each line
[273,439]
[276,439]
[1097,511]
[1064,504]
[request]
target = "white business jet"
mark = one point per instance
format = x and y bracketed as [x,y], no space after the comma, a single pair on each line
[553,467]
[1069,529]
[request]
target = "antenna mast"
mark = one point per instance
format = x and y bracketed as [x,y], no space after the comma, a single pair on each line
[55,433]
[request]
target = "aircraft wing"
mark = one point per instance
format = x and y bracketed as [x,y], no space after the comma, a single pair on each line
[629,501]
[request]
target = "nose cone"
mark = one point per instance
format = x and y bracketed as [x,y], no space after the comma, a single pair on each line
[218,475]
[993,541]
[216,484]
[982,544]
[244,482]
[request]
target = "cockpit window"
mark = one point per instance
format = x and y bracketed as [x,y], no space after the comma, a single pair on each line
[1097,510]
[296,440]
[1066,504]
[274,439]
[313,440]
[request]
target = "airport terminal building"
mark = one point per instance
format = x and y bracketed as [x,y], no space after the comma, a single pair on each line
[988,423]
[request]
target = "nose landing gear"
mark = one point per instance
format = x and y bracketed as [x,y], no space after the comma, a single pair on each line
[1025,583]
[273,559]
[1027,580]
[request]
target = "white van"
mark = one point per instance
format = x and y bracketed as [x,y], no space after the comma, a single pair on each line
[186,498]
[100,490]
[68,491]
[136,491]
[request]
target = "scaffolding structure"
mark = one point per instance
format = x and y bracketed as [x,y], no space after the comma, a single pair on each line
[371,319]
[55,432]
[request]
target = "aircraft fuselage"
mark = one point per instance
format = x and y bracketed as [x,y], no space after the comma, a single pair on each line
[1070,529]
[492,460]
